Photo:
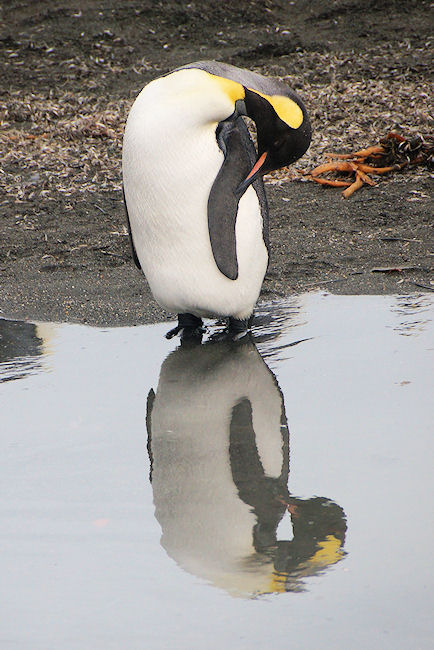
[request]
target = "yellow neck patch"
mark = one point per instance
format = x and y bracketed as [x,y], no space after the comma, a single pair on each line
[288,111]
[230,88]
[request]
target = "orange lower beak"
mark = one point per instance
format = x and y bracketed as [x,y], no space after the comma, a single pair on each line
[252,174]
[257,166]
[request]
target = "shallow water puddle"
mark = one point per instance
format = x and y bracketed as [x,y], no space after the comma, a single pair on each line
[241,496]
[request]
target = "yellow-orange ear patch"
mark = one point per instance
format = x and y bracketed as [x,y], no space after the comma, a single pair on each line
[287,109]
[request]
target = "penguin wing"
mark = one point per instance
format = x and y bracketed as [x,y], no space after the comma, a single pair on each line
[239,156]
[133,248]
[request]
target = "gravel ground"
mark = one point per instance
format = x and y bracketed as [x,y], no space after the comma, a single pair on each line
[70,72]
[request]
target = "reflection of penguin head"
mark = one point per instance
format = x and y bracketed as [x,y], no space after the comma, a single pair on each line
[219,447]
[319,527]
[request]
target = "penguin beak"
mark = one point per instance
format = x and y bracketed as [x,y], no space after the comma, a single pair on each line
[253,174]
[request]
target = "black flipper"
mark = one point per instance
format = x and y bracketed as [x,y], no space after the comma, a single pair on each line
[240,155]
[133,249]
[223,202]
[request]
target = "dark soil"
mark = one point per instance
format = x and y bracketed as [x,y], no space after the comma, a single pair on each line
[70,71]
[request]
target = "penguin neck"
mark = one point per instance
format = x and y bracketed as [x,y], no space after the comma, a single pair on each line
[173,142]
[193,96]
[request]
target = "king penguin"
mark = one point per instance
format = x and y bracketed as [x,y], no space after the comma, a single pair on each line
[193,189]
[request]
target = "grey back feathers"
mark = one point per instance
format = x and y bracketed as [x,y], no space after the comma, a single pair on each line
[247,78]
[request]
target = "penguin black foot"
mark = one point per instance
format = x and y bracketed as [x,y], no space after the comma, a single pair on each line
[189,328]
[239,328]
[236,330]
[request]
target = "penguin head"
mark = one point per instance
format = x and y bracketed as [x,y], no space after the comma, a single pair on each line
[282,124]
[283,131]
[283,128]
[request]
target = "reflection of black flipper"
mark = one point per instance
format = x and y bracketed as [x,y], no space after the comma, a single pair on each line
[133,248]
[267,496]
[247,470]
[149,406]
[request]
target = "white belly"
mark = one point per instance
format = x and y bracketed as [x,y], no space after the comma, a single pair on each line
[168,171]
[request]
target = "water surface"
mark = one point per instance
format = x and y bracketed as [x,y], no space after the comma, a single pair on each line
[267,495]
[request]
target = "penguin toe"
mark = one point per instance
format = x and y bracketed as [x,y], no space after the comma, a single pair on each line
[171,333]
[237,336]
[232,334]
[189,327]
[240,325]
[192,335]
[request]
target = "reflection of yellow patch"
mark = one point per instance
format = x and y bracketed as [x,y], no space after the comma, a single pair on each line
[329,552]
[286,108]
[277,583]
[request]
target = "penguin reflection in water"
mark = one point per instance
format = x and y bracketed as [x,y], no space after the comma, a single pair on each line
[218,444]
[193,187]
